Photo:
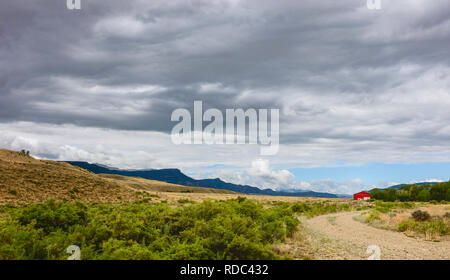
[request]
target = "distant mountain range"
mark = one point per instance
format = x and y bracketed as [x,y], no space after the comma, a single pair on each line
[397,187]
[417,184]
[175,176]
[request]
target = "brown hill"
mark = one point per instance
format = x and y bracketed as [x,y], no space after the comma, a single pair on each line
[141,184]
[24,179]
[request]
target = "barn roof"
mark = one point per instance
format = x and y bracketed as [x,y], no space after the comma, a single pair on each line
[362,192]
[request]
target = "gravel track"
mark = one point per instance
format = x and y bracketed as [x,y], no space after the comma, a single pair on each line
[339,236]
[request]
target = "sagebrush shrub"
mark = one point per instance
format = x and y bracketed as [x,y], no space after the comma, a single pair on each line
[232,229]
[409,224]
[420,215]
[437,226]
[373,216]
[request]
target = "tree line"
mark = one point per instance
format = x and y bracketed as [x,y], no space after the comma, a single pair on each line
[431,192]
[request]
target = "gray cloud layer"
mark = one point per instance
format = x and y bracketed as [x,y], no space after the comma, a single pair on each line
[352,84]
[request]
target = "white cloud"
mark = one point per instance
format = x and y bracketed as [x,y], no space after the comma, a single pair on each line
[120,26]
[331,186]
[261,175]
[426,181]
[264,176]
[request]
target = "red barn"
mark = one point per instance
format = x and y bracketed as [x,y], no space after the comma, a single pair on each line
[361,196]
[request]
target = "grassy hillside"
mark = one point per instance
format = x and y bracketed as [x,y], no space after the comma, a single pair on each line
[24,179]
[157,186]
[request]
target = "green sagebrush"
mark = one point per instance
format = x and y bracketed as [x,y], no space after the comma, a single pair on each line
[232,229]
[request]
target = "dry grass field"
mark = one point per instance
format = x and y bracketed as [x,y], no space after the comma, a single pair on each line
[173,197]
[392,220]
[153,186]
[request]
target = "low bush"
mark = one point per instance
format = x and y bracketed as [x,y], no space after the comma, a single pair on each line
[185,201]
[373,216]
[319,208]
[13,192]
[435,226]
[420,215]
[408,224]
[232,229]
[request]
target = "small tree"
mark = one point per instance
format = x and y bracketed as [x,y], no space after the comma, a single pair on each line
[423,195]
[25,153]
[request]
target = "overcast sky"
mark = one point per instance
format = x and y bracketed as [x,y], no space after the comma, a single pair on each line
[365,92]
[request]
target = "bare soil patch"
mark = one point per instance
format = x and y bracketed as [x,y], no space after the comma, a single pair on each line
[347,238]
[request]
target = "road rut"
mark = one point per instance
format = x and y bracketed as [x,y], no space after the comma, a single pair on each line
[339,236]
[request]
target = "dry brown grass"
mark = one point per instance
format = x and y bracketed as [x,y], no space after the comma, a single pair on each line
[140,184]
[391,220]
[24,179]
[297,247]
[199,197]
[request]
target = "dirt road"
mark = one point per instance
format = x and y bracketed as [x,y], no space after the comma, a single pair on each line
[339,236]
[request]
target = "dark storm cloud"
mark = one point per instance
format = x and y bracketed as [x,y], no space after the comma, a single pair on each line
[128,64]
